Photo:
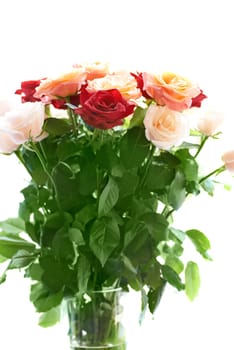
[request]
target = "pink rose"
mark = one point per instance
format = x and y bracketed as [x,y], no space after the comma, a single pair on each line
[21,124]
[122,81]
[172,90]
[228,159]
[165,128]
[210,122]
[65,85]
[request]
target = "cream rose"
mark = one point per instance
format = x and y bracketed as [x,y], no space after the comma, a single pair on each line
[165,128]
[123,81]
[210,122]
[228,159]
[169,89]
[65,85]
[94,70]
[21,124]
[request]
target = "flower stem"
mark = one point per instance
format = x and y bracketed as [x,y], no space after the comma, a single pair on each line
[72,117]
[147,165]
[216,171]
[35,149]
[203,141]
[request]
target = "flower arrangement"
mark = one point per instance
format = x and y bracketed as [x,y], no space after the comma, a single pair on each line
[111,156]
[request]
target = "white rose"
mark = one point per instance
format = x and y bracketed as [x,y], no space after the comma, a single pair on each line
[165,128]
[21,124]
[210,122]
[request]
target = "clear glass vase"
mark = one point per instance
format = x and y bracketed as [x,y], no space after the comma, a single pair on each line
[95,320]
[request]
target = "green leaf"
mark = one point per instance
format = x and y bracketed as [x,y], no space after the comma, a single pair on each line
[57,274]
[128,264]
[21,259]
[172,277]
[134,148]
[177,193]
[192,280]
[104,238]
[2,259]
[157,226]
[86,214]
[108,197]
[152,275]
[76,236]
[13,225]
[138,117]
[67,149]
[50,318]
[178,234]
[62,247]
[10,245]
[188,165]
[200,241]
[175,263]
[155,295]
[135,229]
[55,126]
[42,299]
[127,184]
[159,176]
[35,272]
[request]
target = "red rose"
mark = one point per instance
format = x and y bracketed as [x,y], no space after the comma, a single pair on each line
[196,101]
[140,84]
[104,109]
[28,88]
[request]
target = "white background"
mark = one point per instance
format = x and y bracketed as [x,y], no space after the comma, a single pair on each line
[192,38]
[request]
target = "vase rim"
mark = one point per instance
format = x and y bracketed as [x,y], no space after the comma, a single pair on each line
[104,290]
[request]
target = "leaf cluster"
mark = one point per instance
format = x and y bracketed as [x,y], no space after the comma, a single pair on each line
[99,212]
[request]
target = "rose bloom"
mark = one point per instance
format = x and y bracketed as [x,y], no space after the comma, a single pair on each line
[66,85]
[197,100]
[94,70]
[21,124]
[210,122]
[228,159]
[171,90]
[104,109]
[27,90]
[122,81]
[165,128]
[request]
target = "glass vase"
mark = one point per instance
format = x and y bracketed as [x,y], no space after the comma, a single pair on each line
[95,320]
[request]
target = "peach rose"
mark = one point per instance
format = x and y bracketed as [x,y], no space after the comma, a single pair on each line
[169,89]
[210,122]
[94,70]
[21,124]
[228,159]
[122,81]
[165,128]
[65,85]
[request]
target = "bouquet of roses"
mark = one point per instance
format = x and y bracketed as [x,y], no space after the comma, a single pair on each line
[111,156]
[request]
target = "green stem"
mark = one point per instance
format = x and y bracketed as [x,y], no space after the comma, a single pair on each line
[147,165]
[203,141]
[216,171]
[35,149]
[72,117]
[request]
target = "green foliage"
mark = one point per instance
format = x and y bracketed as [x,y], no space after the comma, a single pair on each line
[99,212]
[192,280]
